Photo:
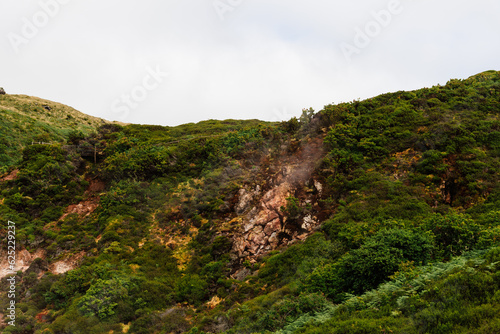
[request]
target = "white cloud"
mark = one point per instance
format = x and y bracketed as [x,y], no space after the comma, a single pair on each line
[264,56]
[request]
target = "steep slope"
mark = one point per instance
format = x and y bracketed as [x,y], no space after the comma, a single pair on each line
[247,226]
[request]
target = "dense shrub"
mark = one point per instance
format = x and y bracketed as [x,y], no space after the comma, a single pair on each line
[298,260]
[454,234]
[365,268]
[191,289]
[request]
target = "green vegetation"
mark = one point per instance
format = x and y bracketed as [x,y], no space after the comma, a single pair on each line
[404,187]
[25,119]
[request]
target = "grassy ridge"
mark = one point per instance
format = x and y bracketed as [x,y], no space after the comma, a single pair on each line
[24,119]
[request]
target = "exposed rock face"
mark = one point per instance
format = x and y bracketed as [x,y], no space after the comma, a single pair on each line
[82,209]
[11,176]
[308,223]
[23,260]
[263,223]
[26,261]
[241,274]
[318,186]
[68,263]
[245,199]
[2,91]
[89,205]
[264,226]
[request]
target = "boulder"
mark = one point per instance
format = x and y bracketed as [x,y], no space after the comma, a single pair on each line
[2,91]
[245,199]
[241,274]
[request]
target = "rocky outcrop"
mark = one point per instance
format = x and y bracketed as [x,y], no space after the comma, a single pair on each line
[23,261]
[82,209]
[90,204]
[11,176]
[241,274]
[70,262]
[36,262]
[245,199]
[264,225]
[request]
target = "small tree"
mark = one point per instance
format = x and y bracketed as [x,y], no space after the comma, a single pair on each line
[306,117]
[454,234]
[74,137]
[292,209]
[191,288]
[102,298]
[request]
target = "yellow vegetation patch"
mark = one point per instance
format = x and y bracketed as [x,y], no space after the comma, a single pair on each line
[182,252]
[212,303]
[230,225]
[403,161]
[422,129]
[177,241]
[125,328]
[407,157]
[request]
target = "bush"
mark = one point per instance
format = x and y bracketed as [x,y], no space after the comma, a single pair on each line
[74,137]
[288,309]
[365,268]
[299,260]
[103,297]
[454,234]
[192,289]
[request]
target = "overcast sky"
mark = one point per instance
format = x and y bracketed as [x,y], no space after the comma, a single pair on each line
[170,62]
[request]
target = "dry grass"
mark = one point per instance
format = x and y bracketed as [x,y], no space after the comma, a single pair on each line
[24,119]
[52,113]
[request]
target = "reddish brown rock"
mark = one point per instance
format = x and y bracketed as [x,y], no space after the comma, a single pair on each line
[273,226]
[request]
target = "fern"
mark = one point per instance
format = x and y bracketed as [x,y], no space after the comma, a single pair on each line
[396,291]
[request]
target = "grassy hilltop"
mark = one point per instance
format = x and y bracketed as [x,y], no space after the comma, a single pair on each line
[373,216]
[25,119]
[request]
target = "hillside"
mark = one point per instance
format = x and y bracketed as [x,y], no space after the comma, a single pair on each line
[372,216]
[24,119]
